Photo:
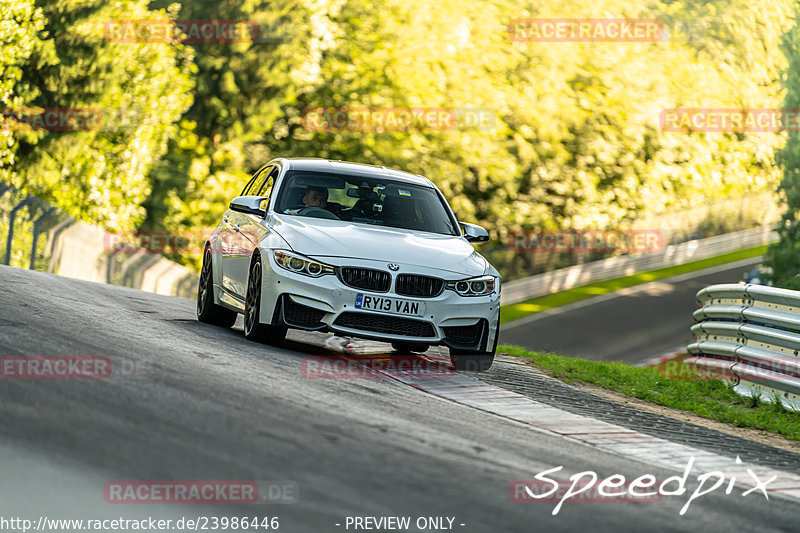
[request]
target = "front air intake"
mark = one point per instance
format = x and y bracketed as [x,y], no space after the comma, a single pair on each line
[365,279]
[420,286]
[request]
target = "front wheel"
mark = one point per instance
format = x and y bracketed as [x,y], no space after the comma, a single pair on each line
[254,330]
[207,310]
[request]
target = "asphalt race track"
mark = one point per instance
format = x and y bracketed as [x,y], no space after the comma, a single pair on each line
[196,402]
[629,326]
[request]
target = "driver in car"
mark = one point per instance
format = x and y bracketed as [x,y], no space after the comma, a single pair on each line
[316,197]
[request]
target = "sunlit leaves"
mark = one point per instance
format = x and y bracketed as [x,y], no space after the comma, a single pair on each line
[140,89]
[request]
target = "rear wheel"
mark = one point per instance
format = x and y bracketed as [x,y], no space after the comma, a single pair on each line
[207,310]
[474,361]
[254,330]
[407,347]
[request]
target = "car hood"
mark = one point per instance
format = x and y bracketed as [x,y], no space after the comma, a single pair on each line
[322,238]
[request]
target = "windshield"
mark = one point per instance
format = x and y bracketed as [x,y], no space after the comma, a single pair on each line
[364,200]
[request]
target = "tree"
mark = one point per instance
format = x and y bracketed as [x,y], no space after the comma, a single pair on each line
[20,24]
[572,139]
[135,92]
[242,88]
[784,256]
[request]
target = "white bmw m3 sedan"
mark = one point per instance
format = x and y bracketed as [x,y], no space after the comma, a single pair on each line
[358,250]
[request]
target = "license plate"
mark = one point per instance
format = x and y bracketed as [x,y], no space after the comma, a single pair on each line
[395,306]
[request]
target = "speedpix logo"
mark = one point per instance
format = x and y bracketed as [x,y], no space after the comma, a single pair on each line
[584,486]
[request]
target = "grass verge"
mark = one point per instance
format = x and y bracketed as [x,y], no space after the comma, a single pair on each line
[712,399]
[543,303]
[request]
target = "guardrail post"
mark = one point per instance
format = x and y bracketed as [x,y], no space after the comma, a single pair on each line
[36,226]
[11,217]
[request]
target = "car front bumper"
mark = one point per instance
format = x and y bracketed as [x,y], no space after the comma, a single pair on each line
[327,304]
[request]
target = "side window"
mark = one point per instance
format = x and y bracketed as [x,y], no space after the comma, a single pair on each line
[249,185]
[266,187]
[255,185]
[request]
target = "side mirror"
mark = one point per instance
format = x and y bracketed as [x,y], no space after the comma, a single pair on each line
[474,233]
[250,205]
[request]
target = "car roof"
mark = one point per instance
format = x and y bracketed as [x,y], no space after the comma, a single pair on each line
[352,169]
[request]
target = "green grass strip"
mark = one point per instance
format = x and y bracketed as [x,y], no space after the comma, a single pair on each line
[543,303]
[712,399]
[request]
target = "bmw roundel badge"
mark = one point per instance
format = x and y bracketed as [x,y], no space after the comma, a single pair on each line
[394,266]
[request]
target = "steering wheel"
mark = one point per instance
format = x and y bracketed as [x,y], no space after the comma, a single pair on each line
[317,212]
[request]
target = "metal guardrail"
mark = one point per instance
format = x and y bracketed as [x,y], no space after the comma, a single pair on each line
[626,265]
[38,236]
[752,334]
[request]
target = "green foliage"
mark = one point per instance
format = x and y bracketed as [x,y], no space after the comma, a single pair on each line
[708,398]
[784,256]
[20,23]
[574,139]
[140,90]
[577,142]
[241,90]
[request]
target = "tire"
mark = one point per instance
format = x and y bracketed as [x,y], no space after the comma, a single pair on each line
[474,361]
[207,310]
[404,347]
[254,330]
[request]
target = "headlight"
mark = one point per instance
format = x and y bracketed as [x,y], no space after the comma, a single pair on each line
[301,265]
[480,286]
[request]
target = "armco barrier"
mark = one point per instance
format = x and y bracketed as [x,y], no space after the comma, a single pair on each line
[37,236]
[627,265]
[752,334]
